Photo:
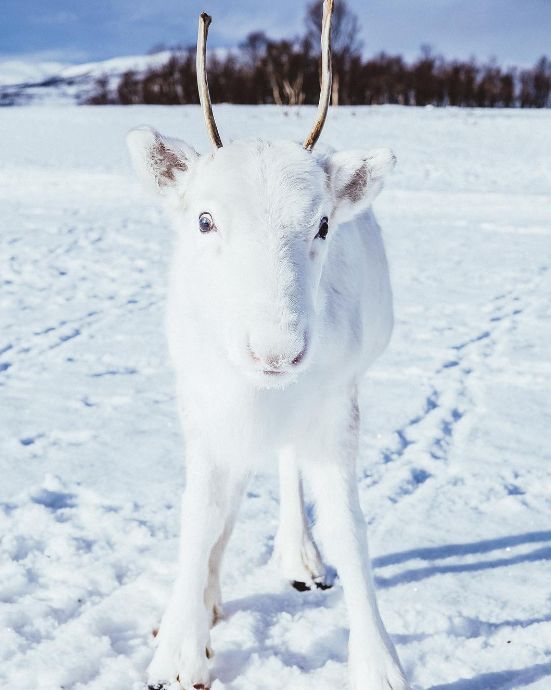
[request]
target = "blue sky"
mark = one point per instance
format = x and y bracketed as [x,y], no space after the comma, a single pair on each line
[514,31]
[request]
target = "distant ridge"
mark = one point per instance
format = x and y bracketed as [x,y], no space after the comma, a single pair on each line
[49,83]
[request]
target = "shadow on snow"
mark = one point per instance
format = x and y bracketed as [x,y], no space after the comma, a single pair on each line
[454,550]
[501,680]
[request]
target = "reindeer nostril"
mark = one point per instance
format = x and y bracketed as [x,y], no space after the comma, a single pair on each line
[298,359]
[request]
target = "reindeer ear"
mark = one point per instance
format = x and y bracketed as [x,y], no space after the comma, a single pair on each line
[356,177]
[160,162]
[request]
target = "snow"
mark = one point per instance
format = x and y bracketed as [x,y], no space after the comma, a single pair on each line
[16,71]
[26,82]
[118,65]
[454,466]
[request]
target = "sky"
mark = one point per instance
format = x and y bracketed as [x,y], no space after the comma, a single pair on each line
[516,32]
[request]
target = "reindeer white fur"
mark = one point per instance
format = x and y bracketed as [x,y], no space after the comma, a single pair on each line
[271,328]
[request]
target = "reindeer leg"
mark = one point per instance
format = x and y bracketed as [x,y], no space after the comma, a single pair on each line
[212,492]
[294,548]
[331,469]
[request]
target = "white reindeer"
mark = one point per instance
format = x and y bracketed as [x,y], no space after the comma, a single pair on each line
[279,300]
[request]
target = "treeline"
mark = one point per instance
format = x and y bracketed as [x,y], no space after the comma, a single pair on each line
[286,72]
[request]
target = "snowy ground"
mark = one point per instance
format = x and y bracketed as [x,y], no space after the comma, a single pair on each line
[454,468]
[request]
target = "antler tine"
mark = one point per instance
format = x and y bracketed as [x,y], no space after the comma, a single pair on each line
[202,82]
[326,77]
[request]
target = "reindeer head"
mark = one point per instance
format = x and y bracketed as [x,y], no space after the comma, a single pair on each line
[256,220]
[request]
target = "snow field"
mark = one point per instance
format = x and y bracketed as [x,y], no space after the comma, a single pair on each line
[454,465]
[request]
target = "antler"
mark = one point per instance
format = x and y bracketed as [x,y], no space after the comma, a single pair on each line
[202,82]
[325,93]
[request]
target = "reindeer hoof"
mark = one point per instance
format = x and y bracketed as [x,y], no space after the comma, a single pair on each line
[300,586]
[323,584]
[320,583]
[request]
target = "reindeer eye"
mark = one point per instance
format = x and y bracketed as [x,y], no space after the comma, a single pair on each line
[206,223]
[323,228]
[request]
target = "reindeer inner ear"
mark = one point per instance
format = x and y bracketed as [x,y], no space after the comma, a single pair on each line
[165,163]
[355,187]
[160,162]
[356,177]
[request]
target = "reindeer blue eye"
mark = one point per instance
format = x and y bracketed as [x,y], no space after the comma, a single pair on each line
[206,223]
[323,228]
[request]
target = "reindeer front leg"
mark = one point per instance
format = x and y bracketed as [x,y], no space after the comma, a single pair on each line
[330,464]
[294,548]
[210,498]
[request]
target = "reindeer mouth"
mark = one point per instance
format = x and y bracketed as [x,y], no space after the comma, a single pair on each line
[271,378]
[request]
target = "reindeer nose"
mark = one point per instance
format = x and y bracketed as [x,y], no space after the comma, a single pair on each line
[275,362]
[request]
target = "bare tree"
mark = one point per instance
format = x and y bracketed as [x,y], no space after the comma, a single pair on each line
[286,72]
[345,40]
